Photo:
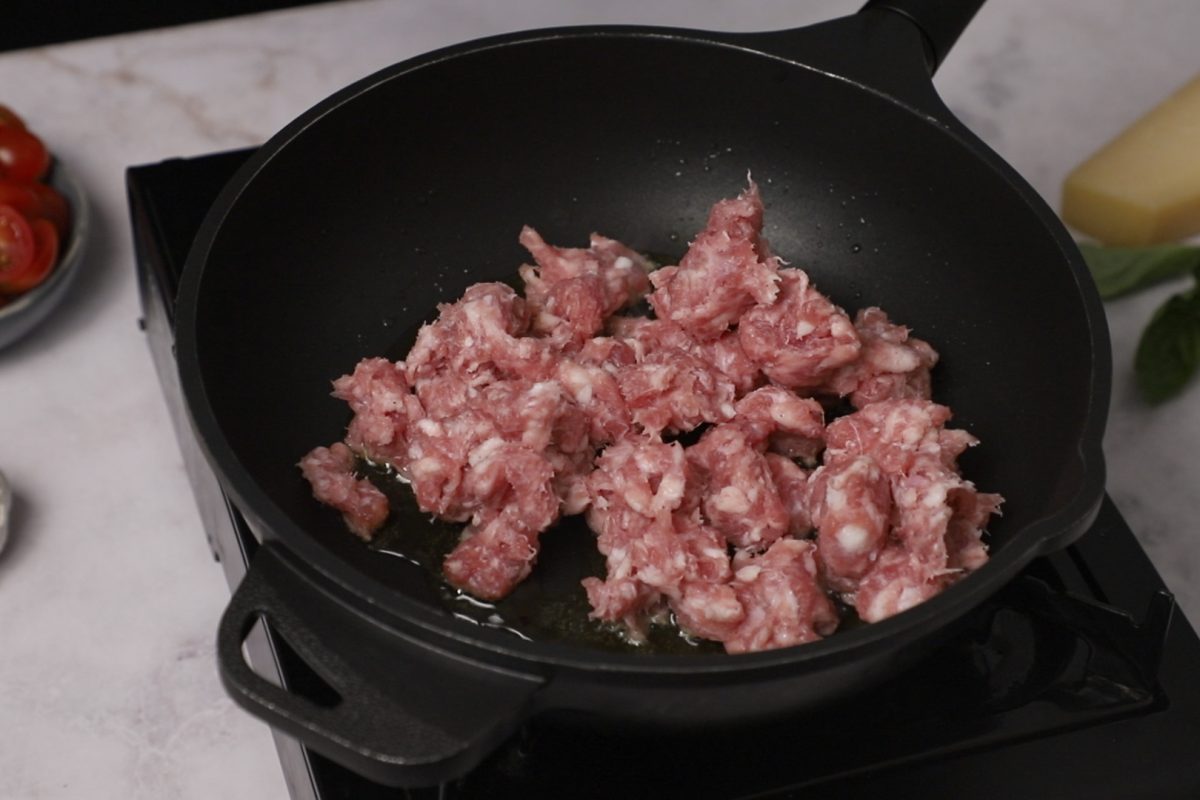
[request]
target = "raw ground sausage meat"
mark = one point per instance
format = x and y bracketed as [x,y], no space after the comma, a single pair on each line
[727,270]
[513,410]
[330,471]
[800,340]
[891,365]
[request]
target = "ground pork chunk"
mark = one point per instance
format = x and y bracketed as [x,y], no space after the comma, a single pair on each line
[673,391]
[517,501]
[384,407]
[740,499]
[897,434]
[779,420]
[622,272]
[897,583]
[646,476]
[727,269]
[709,610]
[635,488]
[597,394]
[512,410]
[891,366]
[723,355]
[784,601]
[572,311]
[451,454]
[791,481]
[645,335]
[850,503]
[801,338]
[473,338]
[965,549]
[936,518]
[330,472]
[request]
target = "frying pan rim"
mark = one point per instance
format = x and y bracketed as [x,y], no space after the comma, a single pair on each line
[1072,516]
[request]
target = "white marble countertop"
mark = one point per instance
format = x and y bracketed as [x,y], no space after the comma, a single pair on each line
[108,595]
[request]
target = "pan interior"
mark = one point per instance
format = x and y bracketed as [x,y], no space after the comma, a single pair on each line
[398,197]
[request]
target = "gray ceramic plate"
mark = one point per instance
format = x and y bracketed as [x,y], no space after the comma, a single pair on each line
[20,316]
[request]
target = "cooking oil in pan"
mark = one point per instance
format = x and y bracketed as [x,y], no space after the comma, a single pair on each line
[549,605]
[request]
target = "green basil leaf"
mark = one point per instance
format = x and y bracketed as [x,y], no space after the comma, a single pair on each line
[1169,351]
[1121,270]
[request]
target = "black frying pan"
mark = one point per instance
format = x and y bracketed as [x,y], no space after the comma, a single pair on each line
[345,230]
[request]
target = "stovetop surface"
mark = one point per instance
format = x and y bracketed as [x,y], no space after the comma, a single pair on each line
[1078,679]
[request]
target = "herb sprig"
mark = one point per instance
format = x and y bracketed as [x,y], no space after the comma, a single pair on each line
[1168,353]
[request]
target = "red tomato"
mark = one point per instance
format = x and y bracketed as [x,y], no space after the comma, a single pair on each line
[23,157]
[37,201]
[53,207]
[43,254]
[33,216]
[21,196]
[9,118]
[16,244]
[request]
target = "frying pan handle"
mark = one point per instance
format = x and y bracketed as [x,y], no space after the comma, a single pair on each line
[399,713]
[940,21]
[891,46]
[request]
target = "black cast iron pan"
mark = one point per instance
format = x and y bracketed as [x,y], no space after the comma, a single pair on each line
[346,229]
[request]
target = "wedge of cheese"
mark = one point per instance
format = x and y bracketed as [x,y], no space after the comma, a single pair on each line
[1144,186]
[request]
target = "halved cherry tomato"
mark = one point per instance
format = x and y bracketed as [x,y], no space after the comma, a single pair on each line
[33,216]
[22,197]
[45,253]
[9,117]
[37,201]
[23,157]
[54,207]
[16,243]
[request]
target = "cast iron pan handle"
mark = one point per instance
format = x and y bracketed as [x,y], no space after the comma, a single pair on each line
[940,21]
[890,46]
[403,716]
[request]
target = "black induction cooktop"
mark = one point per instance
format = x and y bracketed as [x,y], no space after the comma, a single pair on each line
[1079,679]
